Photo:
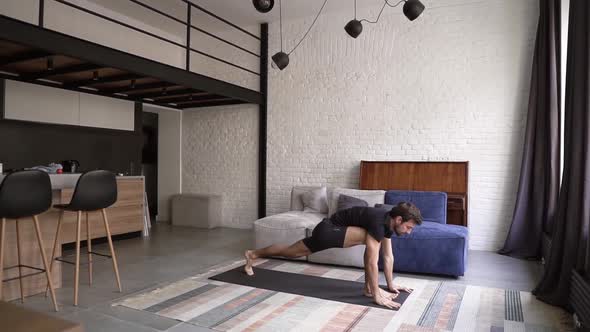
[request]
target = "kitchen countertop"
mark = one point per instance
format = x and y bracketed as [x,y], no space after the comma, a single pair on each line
[68,180]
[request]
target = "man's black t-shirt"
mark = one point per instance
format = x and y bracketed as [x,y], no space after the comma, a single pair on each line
[374,220]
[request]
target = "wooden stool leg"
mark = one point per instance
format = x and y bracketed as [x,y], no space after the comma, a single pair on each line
[106,227]
[77,273]
[89,247]
[55,244]
[18,260]
[2,231]
[45,264]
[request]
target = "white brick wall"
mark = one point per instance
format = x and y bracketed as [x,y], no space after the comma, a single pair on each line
[452,85]
[220,156]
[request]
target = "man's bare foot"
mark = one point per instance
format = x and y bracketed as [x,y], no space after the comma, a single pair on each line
[249,261]
[385,294]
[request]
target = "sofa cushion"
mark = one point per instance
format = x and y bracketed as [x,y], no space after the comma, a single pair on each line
[372,197]
[296,192]
[432,248]
[432,204]
[315,200]
[290,220]
[346,202]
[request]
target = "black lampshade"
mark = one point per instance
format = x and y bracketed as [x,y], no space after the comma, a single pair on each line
[281,60]
[413,9]
[353,28]
[263,6]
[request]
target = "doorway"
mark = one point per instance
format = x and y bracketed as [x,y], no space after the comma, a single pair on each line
[149,160]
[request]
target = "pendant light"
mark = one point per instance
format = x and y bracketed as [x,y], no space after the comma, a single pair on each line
[412,9]
[354,27]
[263,6]
[280,59]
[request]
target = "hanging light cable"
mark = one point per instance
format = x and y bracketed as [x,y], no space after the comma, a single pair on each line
[281,59]
[311,26]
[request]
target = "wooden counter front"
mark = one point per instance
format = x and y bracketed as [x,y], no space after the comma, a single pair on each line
[125,216]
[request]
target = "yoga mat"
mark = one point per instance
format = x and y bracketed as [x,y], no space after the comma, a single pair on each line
[306,285]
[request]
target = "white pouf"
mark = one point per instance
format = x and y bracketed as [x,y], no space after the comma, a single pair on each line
[196,210]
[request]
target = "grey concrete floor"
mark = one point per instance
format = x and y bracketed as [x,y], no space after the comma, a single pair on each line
[174,253]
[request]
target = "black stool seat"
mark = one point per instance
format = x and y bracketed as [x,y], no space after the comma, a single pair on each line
[25,194]
[95,190]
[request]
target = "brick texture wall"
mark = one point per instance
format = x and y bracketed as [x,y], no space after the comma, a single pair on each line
[220,156]
[452,85]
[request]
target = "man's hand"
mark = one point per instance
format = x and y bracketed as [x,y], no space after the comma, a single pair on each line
[382,301]
[397,288]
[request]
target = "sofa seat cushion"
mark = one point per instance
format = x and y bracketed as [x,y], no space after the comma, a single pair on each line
[284,228]
[432,248]
[353,256]
[291,220]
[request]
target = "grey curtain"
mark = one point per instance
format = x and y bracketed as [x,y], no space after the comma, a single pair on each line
[570,244]
[538,186]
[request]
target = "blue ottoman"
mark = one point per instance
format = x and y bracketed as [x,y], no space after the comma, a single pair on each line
[433,247]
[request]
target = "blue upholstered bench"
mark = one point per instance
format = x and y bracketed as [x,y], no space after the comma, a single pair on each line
[433,247]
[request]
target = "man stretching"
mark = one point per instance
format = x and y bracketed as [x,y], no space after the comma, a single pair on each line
[352,227]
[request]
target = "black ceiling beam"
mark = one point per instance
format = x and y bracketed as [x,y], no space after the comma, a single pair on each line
[190,99]
[59,43]
[101,79]
[211,103]
[59,86]
[62,71]
[166,94]
[22,57]
[138,87]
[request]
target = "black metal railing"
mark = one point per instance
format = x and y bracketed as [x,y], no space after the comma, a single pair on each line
[188,24]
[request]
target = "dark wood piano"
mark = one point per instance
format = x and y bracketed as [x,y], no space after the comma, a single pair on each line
[450,177]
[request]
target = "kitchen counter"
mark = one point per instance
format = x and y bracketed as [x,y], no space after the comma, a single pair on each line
[68,180]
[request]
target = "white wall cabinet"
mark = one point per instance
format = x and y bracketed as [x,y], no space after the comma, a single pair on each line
[29,102]
[104,112]
[37,103]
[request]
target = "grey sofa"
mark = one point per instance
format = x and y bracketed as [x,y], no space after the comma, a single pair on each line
[434,247]
[294,225]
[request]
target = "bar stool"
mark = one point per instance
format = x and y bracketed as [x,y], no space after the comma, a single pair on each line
[95,191]
[25,194]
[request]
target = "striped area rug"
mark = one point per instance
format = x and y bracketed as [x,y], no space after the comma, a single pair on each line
[433,306]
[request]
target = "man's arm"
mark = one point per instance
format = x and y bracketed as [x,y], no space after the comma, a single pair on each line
[387,253]
[372,272]
[387,262]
